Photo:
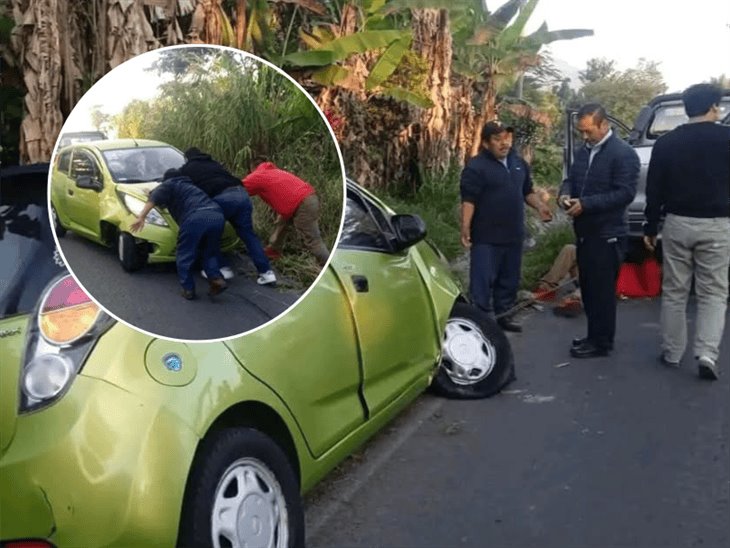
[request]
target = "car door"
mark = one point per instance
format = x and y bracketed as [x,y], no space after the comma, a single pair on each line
[60,181]
[311,361]
[82,204]
[390,303]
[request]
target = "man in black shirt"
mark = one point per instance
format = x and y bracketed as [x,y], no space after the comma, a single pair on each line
[495,184]
[689,182]
[200,223]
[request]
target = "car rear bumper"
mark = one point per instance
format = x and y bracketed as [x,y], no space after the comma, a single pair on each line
[98,467]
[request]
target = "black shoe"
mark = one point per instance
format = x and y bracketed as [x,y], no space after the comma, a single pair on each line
[216,286]
[579,341]
[188,294]
[508,324]
[588,350]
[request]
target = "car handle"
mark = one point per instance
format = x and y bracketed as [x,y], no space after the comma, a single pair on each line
[360,283]
[70,192]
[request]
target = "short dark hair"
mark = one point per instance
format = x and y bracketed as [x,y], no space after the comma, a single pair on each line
[700,98]
[170,173]
[595,110]
[191,152]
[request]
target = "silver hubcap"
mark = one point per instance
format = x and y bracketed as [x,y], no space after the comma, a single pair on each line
[468,356]
[249,509]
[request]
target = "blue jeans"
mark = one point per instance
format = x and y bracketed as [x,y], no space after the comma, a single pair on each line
[494,276]
[237,209]
[201,232]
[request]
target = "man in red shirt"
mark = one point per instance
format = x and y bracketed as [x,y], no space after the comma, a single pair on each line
[293,200]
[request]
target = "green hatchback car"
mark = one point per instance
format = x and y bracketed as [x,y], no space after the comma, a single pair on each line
[110,437]
[98,188]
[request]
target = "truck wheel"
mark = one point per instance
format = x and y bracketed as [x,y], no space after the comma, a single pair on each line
[477,360]
[242,491]
[132,255]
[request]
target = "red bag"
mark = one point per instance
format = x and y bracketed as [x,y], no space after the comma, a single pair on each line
[640,280]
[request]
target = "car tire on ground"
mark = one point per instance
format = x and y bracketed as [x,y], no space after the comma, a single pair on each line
[132,255]
[477,360]
[242,491]
[60,231]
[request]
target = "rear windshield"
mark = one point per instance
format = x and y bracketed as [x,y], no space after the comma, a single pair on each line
[667,117]
[28,257]
[136,165]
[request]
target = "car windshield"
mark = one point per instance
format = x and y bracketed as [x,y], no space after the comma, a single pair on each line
[137,165]
[27,258]
[72,138]
[668,117]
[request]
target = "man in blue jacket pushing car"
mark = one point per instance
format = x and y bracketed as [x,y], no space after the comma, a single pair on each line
[600,186]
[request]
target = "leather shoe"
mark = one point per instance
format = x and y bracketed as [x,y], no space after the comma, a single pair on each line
[588,350]
[582,340]
[508,324]
[216,286]
[187,294]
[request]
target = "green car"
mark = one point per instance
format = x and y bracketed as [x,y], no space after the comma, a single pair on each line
[98,187]
[109,437]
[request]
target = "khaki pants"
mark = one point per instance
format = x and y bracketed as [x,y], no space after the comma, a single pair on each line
[564,264]
[306,223]
[699,247]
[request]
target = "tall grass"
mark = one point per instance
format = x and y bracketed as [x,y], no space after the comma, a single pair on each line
[234,109]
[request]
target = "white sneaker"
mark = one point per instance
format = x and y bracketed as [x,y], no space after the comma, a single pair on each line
[706,368]
[266,278]
[226,272]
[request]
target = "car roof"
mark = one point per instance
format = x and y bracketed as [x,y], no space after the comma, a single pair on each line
[677,97]
[115,144]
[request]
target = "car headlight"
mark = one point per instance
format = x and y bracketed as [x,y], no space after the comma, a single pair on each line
[135,206]
[67,324]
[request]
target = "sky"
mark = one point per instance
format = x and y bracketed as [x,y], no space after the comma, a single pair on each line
[690,39]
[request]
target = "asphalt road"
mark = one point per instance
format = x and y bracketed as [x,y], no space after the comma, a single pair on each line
[601,453]
[150,300]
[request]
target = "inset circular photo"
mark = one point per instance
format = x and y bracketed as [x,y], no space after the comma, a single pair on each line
[196,192]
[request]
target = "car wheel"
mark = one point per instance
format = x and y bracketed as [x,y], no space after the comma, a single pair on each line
[132,255]
[476,357]
[60,231]
[242,491]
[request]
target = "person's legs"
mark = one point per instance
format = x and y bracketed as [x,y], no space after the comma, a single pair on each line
[676,283]
[711,258]
[508,278]
[238,210]
[482,267]
[211,242]
[189,237]
[582,258]
[563,265]
[306,221]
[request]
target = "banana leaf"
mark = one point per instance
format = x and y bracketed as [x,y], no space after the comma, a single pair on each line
[388,62]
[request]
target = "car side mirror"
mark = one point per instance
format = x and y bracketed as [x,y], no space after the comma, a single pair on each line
[409,230]
[88,182]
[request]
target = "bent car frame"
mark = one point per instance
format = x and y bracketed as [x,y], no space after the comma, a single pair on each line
[111,437]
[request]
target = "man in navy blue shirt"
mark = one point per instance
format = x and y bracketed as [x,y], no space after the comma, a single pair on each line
[600,186]
[495,185]
[689,181]
[200,223]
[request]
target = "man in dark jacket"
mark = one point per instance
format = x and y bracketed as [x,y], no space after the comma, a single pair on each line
[600,186]
[495,185]
[228,192]
[200,223]
[689,181]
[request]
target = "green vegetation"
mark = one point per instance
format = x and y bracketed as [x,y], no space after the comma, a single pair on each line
[234,109]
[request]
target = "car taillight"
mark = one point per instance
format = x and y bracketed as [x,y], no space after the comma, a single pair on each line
[67,325]
[66,313]
[27,544]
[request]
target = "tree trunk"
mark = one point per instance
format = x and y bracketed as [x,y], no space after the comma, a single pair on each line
[487,114]
[35,39]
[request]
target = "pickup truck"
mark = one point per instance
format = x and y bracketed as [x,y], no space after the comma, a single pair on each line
[661,115]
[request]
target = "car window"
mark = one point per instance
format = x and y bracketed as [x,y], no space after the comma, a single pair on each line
[136,165]
[83,165]
[668,117]
[360,228]
[64,162]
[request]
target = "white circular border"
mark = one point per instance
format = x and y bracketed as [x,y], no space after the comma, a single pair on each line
[334,247]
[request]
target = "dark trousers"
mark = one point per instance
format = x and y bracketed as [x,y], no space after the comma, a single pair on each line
[494,276]
[599,260]
[201,232]
[237,209]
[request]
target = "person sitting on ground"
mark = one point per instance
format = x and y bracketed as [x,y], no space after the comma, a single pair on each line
[563,269]
[294,200]
[226,190]
[200,223]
